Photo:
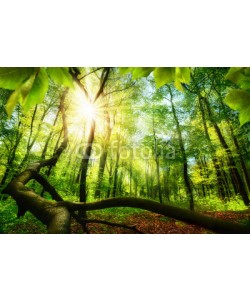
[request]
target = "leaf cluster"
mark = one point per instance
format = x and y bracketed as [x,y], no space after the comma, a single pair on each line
[239,99]
[30,85]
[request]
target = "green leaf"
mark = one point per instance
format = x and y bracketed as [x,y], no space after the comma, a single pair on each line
[234,74]
[20,94]
[61,76]
[141,72]
[239,100]
[246,71]
[178,85]
[240,76]
[38,90]
[12,102]
[136,72]
[164,76]
[182,74]
[11,78]
[245,83]
[125,70]
[29,93]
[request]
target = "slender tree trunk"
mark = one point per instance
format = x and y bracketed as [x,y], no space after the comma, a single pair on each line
[110,172]
[147,179]
[199,164]
[166,178]
[228,188]
[120,187]
[184,157]
[103,157]
[130,177]
[31,141]
[45,148]
[115,181]
[49,169]
[158,179]
[85,163]
[157,161]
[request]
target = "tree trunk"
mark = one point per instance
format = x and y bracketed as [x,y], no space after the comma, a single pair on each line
[184,157]
[85,163]
[48,171]
[31,141]
[157,161]
[110,174]
[103,157]
[57,216]
[115,181]
[49,136]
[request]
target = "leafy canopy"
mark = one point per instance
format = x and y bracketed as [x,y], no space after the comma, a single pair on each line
[162,75]
[30,85]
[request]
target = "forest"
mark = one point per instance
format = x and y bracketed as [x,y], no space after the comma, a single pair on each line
[124,150]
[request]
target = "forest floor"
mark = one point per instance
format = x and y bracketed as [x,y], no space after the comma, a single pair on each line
[151,223]
[143,221]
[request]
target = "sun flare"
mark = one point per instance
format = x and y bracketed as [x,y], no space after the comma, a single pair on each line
[88,110]
[83,112]
[85,109]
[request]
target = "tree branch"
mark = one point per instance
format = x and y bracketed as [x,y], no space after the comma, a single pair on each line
[75,73]
[47,187]
[105,75]
[120,90]
[90,73]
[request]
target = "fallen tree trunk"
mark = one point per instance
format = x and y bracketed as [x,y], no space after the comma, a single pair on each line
[57,220]
[214,224]
[57,216]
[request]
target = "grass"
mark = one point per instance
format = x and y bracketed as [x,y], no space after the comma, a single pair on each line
[9,223]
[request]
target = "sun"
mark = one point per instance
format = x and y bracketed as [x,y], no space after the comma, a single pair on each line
[85,109]
[88,111]
[83,114]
